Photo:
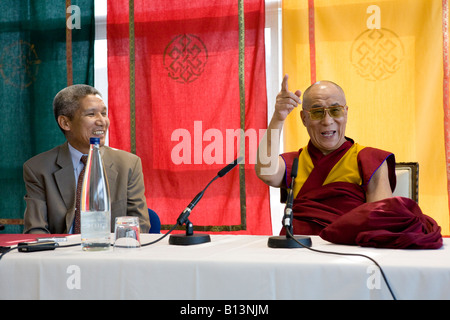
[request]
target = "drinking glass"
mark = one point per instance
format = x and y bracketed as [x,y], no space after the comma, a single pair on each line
[126,233]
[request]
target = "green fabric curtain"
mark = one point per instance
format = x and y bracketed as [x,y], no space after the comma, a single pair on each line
[33,68]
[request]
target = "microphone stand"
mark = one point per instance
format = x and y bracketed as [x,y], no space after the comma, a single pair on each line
[189,238]
[289,240]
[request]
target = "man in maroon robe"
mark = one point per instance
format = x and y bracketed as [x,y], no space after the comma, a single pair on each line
[337,176]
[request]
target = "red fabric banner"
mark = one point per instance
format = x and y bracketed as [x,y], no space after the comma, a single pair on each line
[174,72]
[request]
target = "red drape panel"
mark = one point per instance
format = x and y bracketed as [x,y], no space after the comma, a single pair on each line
[174,99]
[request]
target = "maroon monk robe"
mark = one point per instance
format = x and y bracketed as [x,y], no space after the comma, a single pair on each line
[317,205]
[338,211]
[396,223]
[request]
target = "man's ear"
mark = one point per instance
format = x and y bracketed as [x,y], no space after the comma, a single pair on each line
[303,116]
[64,123]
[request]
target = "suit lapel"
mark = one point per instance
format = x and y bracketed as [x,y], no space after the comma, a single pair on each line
[110,169]
[65,180]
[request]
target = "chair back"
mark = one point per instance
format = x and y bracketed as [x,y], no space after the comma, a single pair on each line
[155,222]
[407,174]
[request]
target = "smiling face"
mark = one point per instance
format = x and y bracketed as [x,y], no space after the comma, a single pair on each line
[89,120]
[327,134]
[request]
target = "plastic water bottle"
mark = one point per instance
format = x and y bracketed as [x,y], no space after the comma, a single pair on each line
[95,203]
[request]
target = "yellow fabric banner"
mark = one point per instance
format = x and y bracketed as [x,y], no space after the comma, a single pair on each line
[388,58]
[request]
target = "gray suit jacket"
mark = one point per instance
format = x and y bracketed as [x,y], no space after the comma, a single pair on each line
[50,186]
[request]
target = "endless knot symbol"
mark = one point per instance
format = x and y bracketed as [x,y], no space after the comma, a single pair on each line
[19,64]
[377,54]
[185,58]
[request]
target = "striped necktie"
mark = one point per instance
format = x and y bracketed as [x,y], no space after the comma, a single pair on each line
[77,226]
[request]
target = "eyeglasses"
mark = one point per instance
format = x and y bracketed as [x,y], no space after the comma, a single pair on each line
[319,113]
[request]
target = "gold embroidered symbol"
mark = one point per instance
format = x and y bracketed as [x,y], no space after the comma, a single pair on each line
[377,54]
[185,58]
[19,64]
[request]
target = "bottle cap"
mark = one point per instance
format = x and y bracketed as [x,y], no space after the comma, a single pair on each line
[94,140]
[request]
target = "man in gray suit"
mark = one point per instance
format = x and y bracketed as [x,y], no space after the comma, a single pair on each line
[51,177]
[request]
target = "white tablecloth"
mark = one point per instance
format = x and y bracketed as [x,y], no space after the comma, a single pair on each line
[229,267]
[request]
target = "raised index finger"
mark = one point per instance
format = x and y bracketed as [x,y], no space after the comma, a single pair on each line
[284,83]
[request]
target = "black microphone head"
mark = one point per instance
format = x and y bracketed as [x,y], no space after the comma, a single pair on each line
[228,168]
[294,168]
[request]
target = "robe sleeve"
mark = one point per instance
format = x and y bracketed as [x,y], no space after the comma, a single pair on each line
[370,159]
[396,223]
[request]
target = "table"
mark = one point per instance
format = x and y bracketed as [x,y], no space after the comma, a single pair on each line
[233,267]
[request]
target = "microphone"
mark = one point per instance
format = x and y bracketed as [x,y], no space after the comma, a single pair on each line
[228,168]
[186,212]
[288,213]
[289,240]
[190,238]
